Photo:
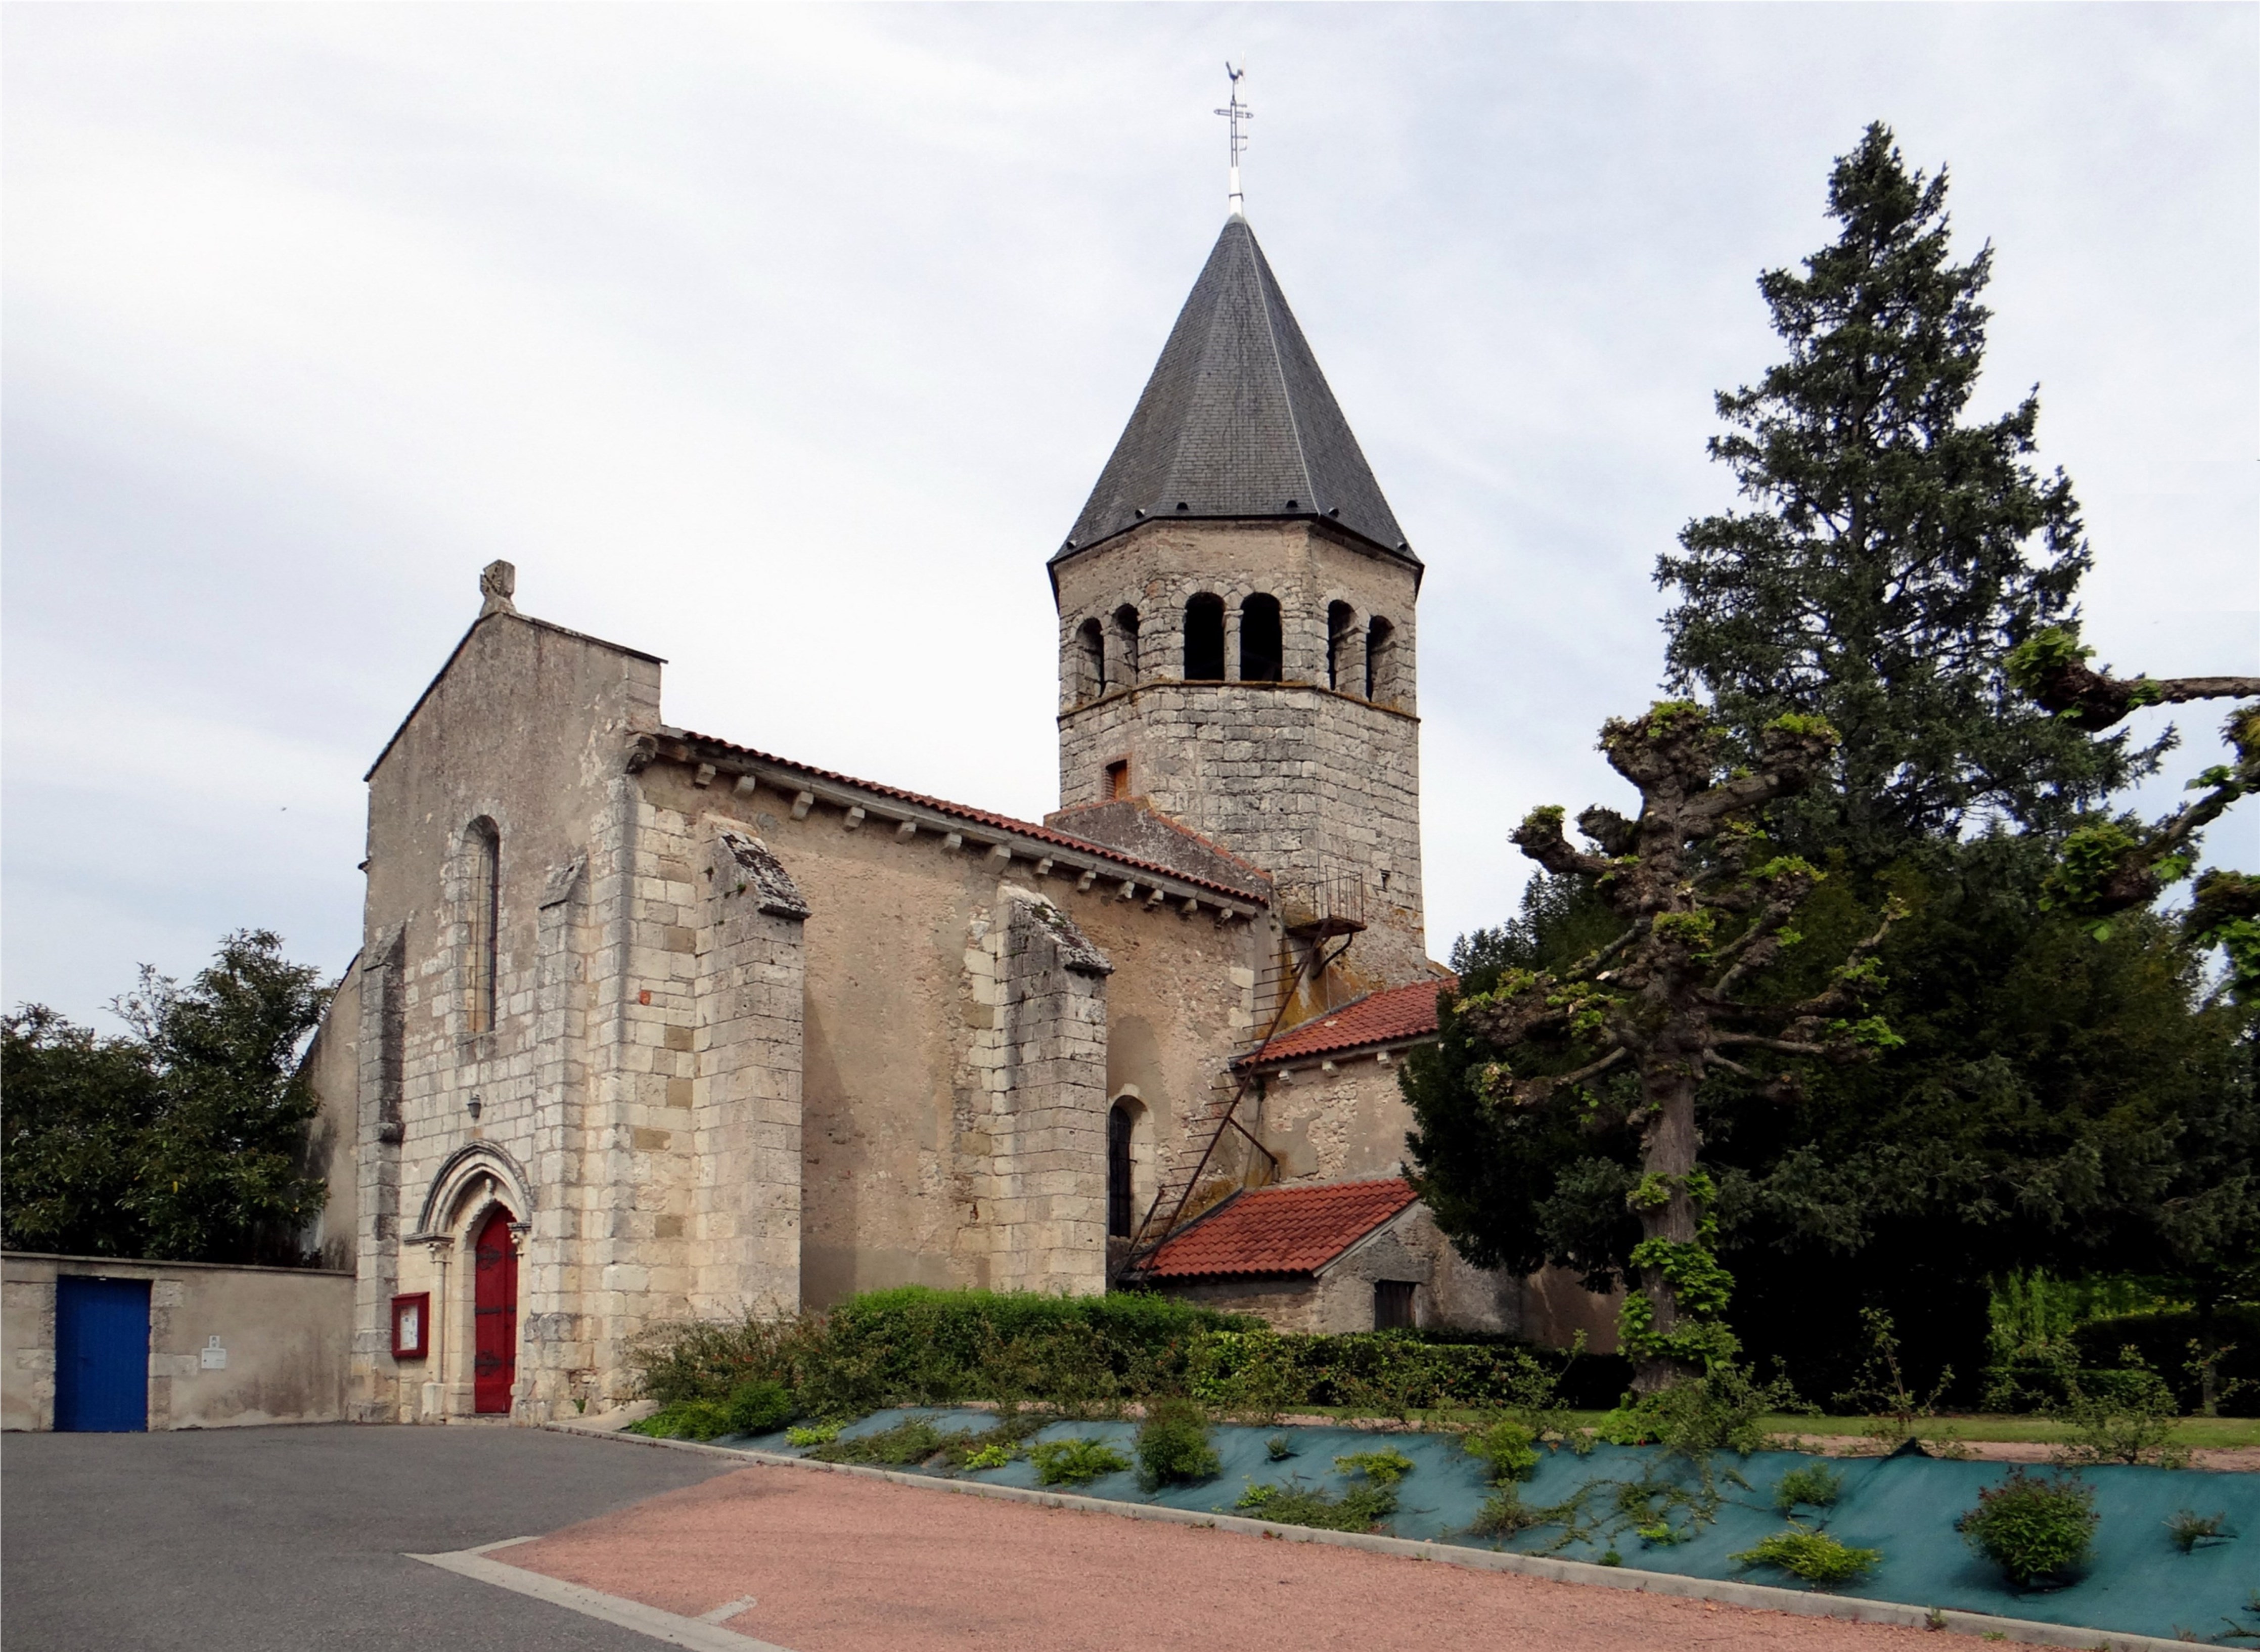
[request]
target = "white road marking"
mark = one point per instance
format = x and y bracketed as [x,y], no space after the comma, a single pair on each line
[728,1609]
[698,1634]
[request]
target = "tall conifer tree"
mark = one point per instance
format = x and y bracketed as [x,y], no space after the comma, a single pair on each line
[1894,550]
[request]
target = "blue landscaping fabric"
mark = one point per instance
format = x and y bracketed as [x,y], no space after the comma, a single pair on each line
[2138,1581]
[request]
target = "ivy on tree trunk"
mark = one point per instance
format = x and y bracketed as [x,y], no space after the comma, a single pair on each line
[1706,907]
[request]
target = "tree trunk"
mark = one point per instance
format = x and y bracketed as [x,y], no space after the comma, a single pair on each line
[2208,1340]
[1668,1151]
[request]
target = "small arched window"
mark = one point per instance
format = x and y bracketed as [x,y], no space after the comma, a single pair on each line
[1205,638]
[483,846]
[1262,649]
[1091,642]
[1380,662]
[1125,630]
[1119,1214]
[1341,635]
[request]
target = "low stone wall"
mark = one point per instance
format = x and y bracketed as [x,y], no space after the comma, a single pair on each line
[287,1333]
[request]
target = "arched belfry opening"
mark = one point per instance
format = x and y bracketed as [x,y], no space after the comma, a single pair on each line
[1205,638]
[1380,662]
[1342,645]
[1125,639]
[1262,647]
[1090,644]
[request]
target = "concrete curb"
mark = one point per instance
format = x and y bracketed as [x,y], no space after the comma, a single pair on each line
[1757,1596]
[696,1634]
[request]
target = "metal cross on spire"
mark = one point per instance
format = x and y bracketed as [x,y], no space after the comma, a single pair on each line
[1236,112]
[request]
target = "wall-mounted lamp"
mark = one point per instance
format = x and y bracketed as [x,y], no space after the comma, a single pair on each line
[474,1105]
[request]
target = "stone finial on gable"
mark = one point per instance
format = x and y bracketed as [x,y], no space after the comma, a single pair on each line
[498,584]
[743,865]
[1077,955]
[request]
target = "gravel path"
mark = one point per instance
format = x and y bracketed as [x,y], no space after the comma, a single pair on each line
[838,1564]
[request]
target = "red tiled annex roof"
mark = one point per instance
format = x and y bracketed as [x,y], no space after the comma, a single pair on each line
[1378,1018]
[1257,892]
[1280,1230]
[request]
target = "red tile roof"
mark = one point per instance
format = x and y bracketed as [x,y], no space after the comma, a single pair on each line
[1378,1018]
[1257,889]
[1280,1230]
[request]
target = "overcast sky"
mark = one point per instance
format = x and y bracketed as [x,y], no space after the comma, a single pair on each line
[786,344]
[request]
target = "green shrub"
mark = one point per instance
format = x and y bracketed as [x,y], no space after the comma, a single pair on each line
[1814,1556]
[685,1419]
[1360,1508]
[708,1359]
[822,1434]
[2129,1420]
[2034,1530]
[1075,1462]
[2190,1528]
[1723,1410]
[1505,1447]
[1379,1468]
[990,1456]
[760,1406]
[1173,1448]
[1505,1514]
[1815,1485]
[1279,1447]
[913,1440]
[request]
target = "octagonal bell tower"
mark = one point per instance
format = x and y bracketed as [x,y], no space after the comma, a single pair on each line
[1237,629]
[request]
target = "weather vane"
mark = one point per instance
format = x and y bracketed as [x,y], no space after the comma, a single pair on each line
[1236,112]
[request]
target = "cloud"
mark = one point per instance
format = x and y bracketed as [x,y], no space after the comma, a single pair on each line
[785,342]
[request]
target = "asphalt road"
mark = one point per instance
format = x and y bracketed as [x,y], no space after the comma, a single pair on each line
[292,1539]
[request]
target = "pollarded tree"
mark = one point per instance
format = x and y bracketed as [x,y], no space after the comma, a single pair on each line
[2113,866]
[1704,909]
[1896,549]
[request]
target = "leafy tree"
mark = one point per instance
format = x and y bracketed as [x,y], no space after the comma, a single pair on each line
[1703,911]
[1895,551]
[2055,1101]
[184,1139]
[2110,866]
[75,1108]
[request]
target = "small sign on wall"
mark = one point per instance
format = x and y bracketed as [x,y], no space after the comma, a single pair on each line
[212,1356]
[411,1317]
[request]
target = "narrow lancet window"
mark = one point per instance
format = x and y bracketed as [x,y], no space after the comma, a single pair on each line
[1262,649]
[1118,1212]
[482,846]
[1380,662]
[1205,638]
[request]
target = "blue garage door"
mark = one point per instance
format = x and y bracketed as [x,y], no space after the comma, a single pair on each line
[102,1354]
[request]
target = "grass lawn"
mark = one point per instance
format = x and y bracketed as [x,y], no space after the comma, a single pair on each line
[2221,1431]
[2215,1432]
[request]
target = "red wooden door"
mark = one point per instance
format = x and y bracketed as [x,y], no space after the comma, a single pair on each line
[495,1367]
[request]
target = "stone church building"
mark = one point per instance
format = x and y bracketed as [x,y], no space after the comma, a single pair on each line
[648,1024]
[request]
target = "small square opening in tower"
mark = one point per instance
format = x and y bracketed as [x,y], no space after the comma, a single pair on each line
[1118,780]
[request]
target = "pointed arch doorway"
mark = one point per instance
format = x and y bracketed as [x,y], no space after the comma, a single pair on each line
[494,1363]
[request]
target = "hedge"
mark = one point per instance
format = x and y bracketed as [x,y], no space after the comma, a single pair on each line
[916,1345]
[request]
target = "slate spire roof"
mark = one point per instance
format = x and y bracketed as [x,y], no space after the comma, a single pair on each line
[1237,420]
